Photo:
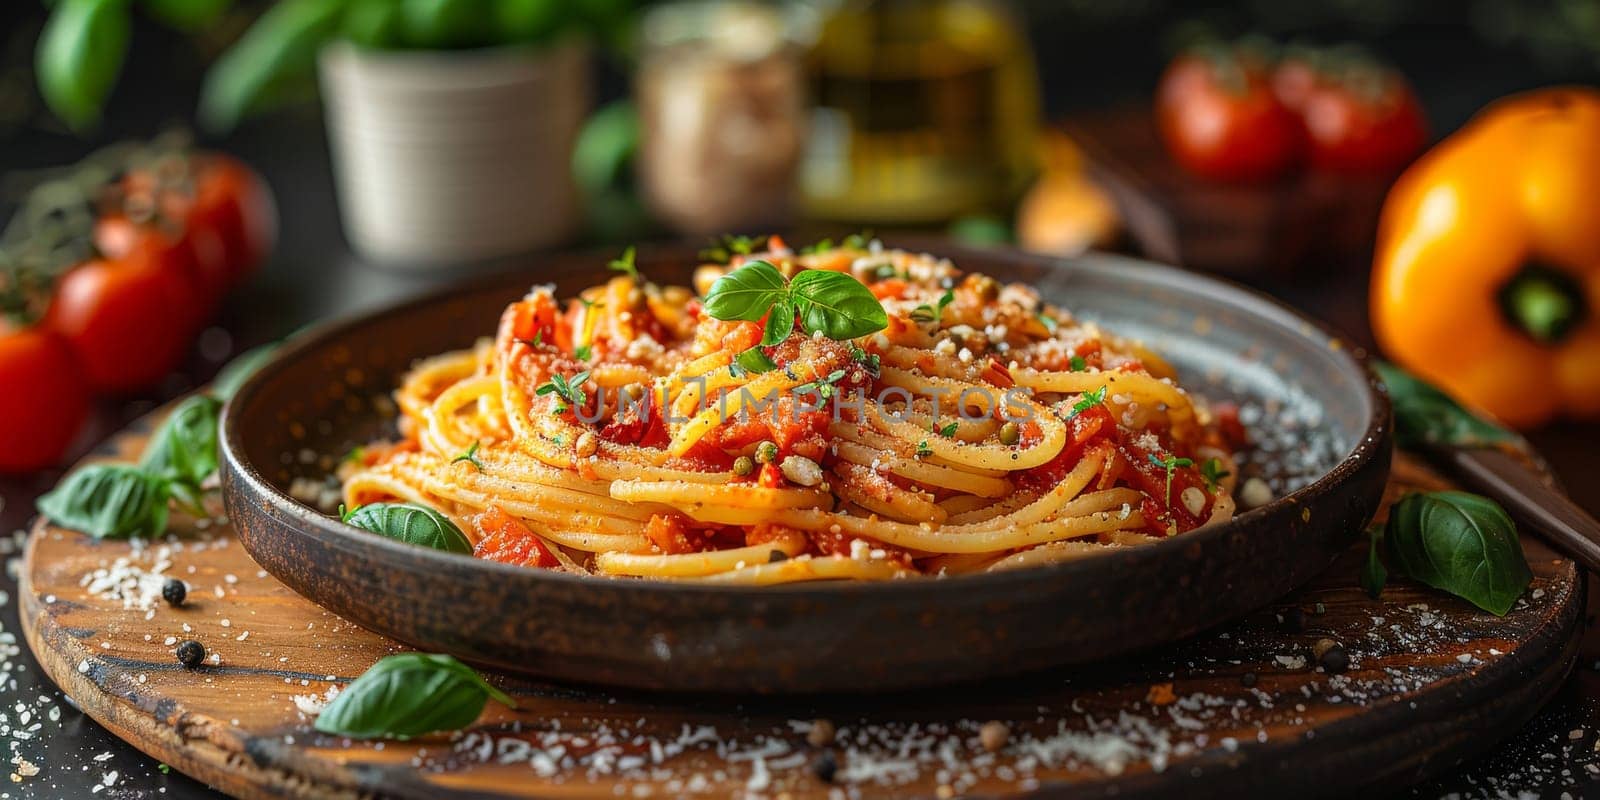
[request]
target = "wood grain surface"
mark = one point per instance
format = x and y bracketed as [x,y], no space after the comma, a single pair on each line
[1244,708]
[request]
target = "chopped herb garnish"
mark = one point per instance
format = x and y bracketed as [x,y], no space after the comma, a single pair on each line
[1077,364]
[1090,400]
[923,450]
[947,430]
[871,362]
[723,250]
[884,272]
[926,313]
[824,387]
[471,457]
[1170,463]
[857,241]
[1211,469]
[1048,322]
[582,352]
[625,264]
[570,390]
[587,303]
[538,339]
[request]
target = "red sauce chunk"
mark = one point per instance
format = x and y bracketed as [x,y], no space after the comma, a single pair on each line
[505,539]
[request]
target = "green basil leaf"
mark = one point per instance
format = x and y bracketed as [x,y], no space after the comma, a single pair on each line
[530,20]
[184,449]
[746,293]
[278,52]
[447,24]
[603,156]
[754,361]
[780,323]
[186,15]
[409,695]
[108,501]
[836,304]
[411,524]
[1424,415]
[1460,543]
[235,372]
[79,56]
[372,23]
[1373,574]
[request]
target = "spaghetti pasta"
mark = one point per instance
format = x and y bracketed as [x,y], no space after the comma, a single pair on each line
[890,418]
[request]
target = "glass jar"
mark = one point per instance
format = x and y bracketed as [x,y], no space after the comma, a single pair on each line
[721,91]
[925,110]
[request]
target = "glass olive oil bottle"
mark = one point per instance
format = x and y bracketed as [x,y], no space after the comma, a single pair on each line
[925,110]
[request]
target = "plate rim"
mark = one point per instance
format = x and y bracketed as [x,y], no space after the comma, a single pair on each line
[1375,437]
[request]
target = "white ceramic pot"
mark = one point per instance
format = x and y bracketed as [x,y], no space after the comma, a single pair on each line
[455,156]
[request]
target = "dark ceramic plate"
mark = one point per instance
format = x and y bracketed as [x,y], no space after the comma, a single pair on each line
[1320,421]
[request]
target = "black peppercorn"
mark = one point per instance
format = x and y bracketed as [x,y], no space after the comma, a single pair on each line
[191,653]
[825,767]
[1248,679]
[1292,619]
[174,591]
[1335,660]
[777,555]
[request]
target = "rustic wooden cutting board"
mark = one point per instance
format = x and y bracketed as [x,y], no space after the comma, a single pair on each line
[1244,708]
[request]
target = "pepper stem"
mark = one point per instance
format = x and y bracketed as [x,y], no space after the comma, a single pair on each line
[1544,303]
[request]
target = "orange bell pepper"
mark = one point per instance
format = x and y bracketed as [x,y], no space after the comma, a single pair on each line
[1486,279]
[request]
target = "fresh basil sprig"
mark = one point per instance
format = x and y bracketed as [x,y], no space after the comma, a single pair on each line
[120,500]
[831,303]
[409,695]
[1461,543]
[183,451]
[926,313]
[1426,416]
[109,501]
[412,524]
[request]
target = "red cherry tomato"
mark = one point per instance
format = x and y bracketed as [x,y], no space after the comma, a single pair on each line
[233,202]
[1220,118]
[223,207]
[45,400]
[1365,121]
[128,320]
[197,257]
[1293,80]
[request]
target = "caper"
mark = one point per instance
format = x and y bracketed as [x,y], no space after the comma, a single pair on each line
[1010,433]
[767,453]
[743,465]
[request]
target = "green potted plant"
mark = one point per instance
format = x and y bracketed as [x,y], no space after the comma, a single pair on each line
[451,122]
